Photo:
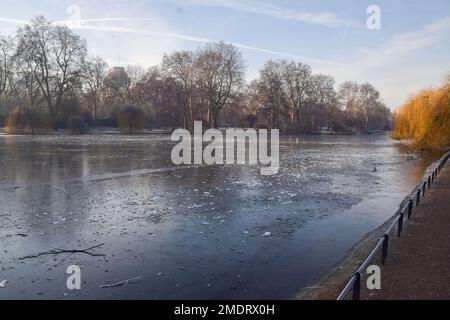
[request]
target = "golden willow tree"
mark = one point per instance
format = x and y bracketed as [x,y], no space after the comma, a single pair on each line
[425,119]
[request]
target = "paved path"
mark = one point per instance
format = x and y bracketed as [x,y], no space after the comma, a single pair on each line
[418,266]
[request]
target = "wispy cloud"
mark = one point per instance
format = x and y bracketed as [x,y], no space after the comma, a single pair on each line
[80,21]
[14,21]
[130,49]
[320,18]
[402,65]
[287,55]
[86,24]
[119,29]
[404,44]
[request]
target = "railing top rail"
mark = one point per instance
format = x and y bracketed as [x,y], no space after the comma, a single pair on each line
[392,224]
[347,288]
[371,255]
[397,216]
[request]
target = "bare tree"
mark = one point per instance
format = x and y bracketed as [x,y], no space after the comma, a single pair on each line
[181,67]
[136,85]
[348,96]
[151,89]
[322,94]
[56,56]
[271,93]
[362,104]
[297,83]
[23,84]
[368,103]
[6,63]
[169,105]
[94,74]
[221,71]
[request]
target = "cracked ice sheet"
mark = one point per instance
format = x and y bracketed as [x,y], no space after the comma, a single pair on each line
[209,231]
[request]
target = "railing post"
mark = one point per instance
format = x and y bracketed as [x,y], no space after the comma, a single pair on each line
[357,287]
[400,225]
[384,250]
[421,189]
[410,208]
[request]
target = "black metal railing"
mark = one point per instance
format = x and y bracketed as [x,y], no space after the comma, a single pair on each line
[354,284]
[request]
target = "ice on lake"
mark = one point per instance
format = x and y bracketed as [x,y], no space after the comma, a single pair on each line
[191,231]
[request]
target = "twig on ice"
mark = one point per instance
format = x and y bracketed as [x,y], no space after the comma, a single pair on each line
[122,283]
[58,251]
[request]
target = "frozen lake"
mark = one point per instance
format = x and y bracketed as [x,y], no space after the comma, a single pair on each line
[190,232]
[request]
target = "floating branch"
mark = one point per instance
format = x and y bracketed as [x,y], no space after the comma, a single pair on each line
[59,251]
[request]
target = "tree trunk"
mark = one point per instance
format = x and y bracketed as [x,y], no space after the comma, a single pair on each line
[215,119]
[191,113]
[212,122]
[130,126]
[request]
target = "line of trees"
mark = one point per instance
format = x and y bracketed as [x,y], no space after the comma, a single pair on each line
[46,72]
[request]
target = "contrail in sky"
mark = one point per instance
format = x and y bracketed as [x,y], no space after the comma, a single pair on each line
[81,25]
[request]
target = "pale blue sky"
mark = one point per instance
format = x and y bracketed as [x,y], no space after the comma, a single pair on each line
[411,51]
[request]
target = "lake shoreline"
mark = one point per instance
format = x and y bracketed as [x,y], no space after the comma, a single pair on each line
[422,250]
[329,285]
[116,131]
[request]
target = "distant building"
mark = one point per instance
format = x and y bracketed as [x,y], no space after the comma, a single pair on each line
[115,88]
[116,74]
